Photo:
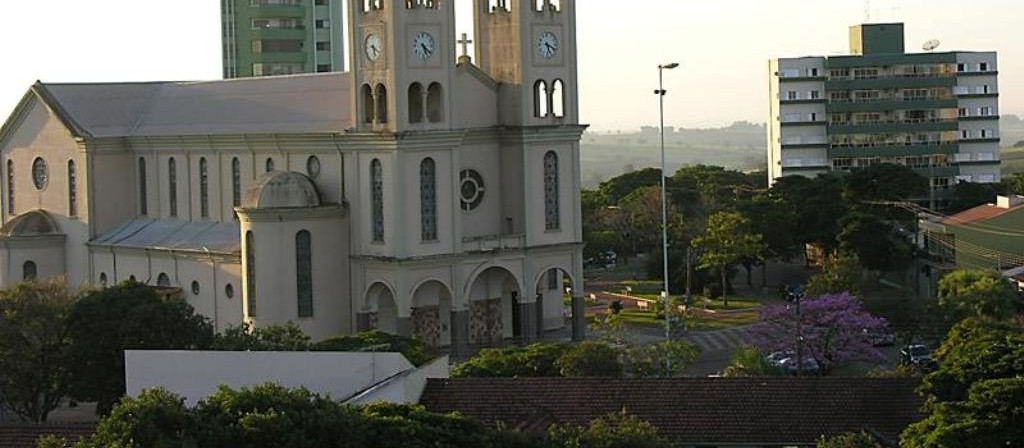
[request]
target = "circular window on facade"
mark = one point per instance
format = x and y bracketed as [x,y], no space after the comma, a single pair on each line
[40,173]
[472,189]
[313,167]
[195,288]
[229,291]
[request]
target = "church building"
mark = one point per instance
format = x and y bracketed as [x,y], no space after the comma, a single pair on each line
[421,193]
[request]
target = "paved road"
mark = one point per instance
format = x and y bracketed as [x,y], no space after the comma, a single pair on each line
[727,340]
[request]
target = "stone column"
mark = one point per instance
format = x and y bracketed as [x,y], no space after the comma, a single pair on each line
[579,320]
[364,322]
[404,327]
[460,334]
[539,304]
[527,322]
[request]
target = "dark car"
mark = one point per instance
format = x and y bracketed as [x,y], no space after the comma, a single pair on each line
[919,356]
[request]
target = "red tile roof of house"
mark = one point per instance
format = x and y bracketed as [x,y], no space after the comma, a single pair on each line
[978,214]
[25,435]
[714,411]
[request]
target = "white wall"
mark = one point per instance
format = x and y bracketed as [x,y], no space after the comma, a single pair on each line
[196,375]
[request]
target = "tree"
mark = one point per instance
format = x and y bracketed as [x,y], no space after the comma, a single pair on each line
[850,440]
[273,338]
[727,241]
[665,359]
[414,349]
[818,203]
[841,273]
[536,360]
[976,350]
[875,242]
[967,195]
[156,418]
[105,323]
[748,362]
[613,191]
[590,359]
[619,430]
[976,293]
[884,182]
[775,220]
[34,347]
[992,415]
[833,328]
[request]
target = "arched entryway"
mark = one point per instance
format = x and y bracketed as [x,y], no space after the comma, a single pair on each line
[553,296]
[432,313]
[382,309]
[495,313]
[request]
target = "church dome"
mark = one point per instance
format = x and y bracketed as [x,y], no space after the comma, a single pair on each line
[33,223]
[279,189]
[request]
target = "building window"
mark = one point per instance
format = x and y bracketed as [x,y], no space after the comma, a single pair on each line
[163,280]
[380,98]
[552,210]
[428,200]
[204,188]
[377,200]
[236,182]
[250,273]
[322,24]
[103,279]
[229,291]
[143,203]
[276,46]
[553,279]
[323,46]
[557,98]
[961,67]
[313,167]
[269,164]
[10,186]
[304,273]
[415,103]
[72,189]
[471,189]
[983,67]
[40,173]
[172,185]
[323,68]
[435,103]
[540,99]
[195,288]
[791,95]
[29,271]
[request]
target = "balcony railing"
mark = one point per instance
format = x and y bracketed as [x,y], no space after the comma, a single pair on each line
[885,98]
[493,243]
[892,76]
[893,144]
[904,121]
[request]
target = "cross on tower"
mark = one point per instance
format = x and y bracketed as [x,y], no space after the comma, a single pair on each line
[465,45]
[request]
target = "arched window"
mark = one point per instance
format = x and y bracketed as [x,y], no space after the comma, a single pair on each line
[377,200]
[304,273]
[558,98]
[10,186]
[435,103]
[236,182]
[103,279]
[556,5]
[538,5]
[163,280]
[368,106]
[540,99]
[143,200]
[269,165]
[428,200]
[552,211]
[204,188]
[172,185]
[502,5]
[416,103]
[250,273]
[380,98]
[72,189]
[28,271]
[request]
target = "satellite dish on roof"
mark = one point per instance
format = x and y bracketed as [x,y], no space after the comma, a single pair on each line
[931,45]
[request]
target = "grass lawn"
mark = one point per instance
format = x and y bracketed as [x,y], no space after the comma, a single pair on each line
[699,322]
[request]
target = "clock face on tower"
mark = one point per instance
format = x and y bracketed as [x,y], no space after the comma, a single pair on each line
[423,46]
[373,47]
[547,45]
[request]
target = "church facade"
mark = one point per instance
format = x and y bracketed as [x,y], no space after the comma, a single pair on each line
[420,193]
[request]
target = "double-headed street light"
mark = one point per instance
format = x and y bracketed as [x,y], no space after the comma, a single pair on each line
[664,206]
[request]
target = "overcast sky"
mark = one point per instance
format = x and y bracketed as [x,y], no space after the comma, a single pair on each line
[723,46]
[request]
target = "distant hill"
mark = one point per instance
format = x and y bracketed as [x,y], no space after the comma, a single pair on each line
[741,146]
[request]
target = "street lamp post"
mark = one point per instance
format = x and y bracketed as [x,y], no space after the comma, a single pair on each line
[664,206]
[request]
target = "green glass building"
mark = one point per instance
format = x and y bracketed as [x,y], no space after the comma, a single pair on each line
[281,37]
[934,111]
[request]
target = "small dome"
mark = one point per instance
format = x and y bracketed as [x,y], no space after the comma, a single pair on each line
[279,189]
[33,223]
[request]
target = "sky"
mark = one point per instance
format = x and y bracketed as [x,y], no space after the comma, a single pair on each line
[722,46]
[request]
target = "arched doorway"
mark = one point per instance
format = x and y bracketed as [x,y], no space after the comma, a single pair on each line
[382,309]
[553,296]
[432,313]
[495,313]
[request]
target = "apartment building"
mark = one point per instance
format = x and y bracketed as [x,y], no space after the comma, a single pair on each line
[935,111]
[281,37]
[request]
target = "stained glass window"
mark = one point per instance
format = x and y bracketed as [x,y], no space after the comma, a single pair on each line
[377,199]
[172,181]
[304,273]
[552,212]
[250,273]
[72,189]
[428,200]
[236,182]
[204,188]
[143,204]
[10,186]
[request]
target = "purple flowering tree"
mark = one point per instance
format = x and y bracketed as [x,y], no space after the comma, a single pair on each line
[835,329]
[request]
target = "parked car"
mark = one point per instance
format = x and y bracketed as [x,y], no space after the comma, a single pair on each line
[809,366]
[919,356]
[775,359]
[879,339]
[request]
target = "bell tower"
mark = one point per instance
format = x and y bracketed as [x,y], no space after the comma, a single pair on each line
[530,46]
[402,59]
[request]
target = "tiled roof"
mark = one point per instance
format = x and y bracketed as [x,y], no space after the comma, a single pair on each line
[692,410]
[25,435]
[978,214]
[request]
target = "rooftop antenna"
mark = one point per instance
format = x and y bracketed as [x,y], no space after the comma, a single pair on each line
[931,45]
